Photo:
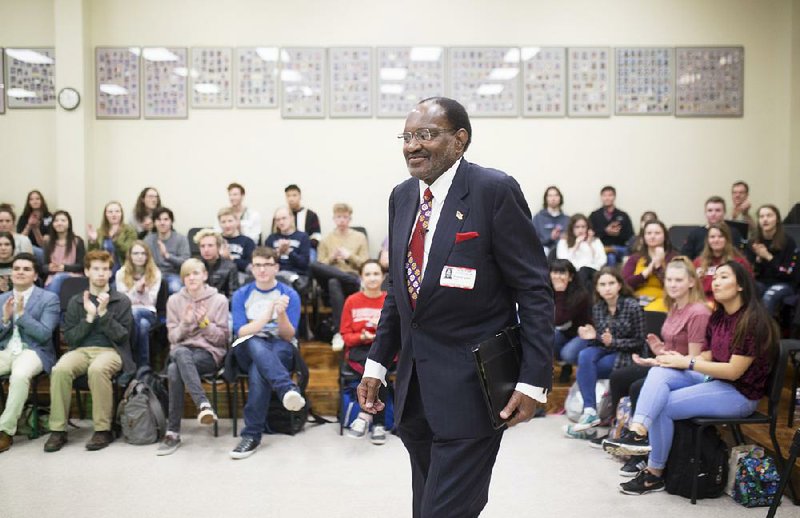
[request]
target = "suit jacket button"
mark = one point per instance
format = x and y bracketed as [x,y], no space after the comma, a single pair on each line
[414,325]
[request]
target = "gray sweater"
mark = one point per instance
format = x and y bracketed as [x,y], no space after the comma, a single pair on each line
[177,247]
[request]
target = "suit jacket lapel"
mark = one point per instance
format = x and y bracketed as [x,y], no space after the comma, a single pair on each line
[407,207]
[446,228]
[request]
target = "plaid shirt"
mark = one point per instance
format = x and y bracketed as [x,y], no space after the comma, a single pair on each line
[626,326]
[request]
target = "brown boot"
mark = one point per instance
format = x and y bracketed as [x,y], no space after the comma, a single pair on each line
[55,442]
[5,441]
[99,440]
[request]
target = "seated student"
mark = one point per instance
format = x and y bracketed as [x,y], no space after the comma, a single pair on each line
[580,247]
[21,242]
[197,320]
[636,241]
[612,226]
[774,256]
[114,236]
[726,380]
[239,248]
[717,250]
[140,280]
[360,317]
[222,273]
[6,258]
[30,315]
[266,312]
[97,328]
[63,252]
[142,217]
[35,219]
[740,195]
[551,221]
[683,331]
[340,255]
[644,269]
[169,248]
[305,219]
[573,309]
[715,213]
[617,334]
[293,247]
[249,220]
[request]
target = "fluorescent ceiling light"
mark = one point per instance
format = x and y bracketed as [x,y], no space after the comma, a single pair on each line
[291,76]
[267,53]
[206,88]
[530,52]
[20,93]
[392,89]
[425,53]
[112,89]
[490,89]
[503,74]
[29,56]
[159,54]
[394,74]
[512,56]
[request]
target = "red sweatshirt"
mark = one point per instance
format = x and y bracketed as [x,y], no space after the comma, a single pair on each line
[360,312]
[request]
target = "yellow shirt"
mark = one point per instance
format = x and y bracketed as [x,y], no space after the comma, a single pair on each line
[651,288]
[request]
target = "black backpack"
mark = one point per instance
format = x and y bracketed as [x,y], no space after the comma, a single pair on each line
[713,472]
[280,420]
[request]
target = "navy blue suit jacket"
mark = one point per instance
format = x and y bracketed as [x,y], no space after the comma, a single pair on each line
[38,321]
[437,336]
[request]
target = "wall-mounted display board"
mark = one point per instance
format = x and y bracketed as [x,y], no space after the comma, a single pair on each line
[350,82]
[166,75]
[544,85]
[485,80]
[212,77]
[257,77]
[589,82]
[303,82]
[31,77]
[116,82]
[407,75]
[710,82]
[644,80]
[2,84]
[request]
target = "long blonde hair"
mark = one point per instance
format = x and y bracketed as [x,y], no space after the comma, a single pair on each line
[728,253]
[128,269]
[695,292]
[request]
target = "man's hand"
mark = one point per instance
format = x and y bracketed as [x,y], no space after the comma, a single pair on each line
[19,304]
[188,315]
[91,309]
[281,304]
[162,249]
[102,303]
[8,309]
[91,233]
[520,409]
[368,395]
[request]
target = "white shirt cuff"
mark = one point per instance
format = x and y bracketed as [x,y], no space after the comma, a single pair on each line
[537,393]
[373,369]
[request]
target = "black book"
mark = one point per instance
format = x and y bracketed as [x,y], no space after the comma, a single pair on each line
[498,361]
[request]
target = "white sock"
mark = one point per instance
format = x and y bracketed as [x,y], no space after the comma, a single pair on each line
[589,411]
[365,416]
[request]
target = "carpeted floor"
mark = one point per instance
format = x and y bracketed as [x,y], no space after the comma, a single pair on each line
[318,474]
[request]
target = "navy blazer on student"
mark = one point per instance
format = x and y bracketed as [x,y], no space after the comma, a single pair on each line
[36,325]
[437,337]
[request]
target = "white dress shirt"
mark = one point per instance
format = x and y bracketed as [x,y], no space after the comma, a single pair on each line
[15,344]
[439,189]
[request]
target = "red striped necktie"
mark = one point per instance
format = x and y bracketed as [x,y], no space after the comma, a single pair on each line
[416,248]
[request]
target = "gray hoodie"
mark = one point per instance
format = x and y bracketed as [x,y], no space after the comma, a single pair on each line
[214,337]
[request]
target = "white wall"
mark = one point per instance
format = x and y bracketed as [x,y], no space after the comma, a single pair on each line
[662,163]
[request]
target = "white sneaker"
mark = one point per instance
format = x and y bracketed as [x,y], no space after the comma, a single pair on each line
[207,416]
[293,401]
[337,343]
[378,436]
[358,428]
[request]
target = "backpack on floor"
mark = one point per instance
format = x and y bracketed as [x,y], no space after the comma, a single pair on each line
[713,472]
[280,420]
[756,480]
[140,415]
[350,407]
[621,419]
[157,384]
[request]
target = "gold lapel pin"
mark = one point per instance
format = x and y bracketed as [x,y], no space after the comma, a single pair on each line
[459,215]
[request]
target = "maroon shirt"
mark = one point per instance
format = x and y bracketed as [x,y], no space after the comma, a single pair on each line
[576,316]
[719,340]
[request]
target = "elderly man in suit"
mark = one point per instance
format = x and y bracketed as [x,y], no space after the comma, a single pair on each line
[30,315]
[463,255]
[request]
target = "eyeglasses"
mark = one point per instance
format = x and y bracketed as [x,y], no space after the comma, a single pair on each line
[263,266]
[423,135]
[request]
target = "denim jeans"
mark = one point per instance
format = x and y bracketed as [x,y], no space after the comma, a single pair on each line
[267,363]
[58,280]
[568,348]
[174,282]
[594,363]
[670,395]
[188,364]
[143,320]
[615,254]
[773,295]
